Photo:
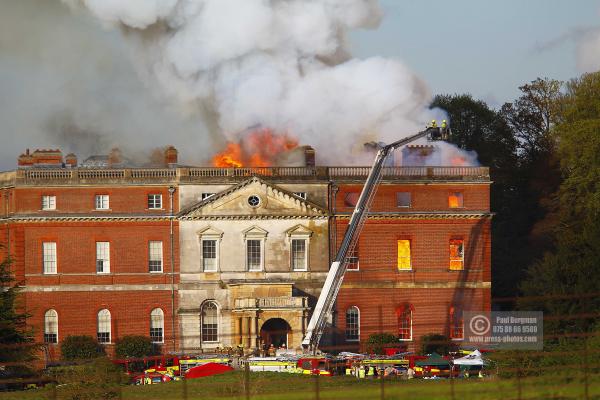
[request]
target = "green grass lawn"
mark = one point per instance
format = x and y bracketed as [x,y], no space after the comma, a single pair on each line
[273,386]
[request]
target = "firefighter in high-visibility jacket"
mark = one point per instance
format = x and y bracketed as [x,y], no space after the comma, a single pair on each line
[371,372]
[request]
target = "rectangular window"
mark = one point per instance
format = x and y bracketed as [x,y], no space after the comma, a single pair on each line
[457,254]
[405,325]
[352,259]
[299,262]
[155,256]
[404,261]
[102,257]
[48,202]
[101,202]
[49,257]
[455,200]
[403,199]
[206,196]
[352,324]
[302,195]
[209,255]
[456,323]
[253,255]
[154,201]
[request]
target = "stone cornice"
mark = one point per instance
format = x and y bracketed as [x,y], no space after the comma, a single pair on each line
[423,215]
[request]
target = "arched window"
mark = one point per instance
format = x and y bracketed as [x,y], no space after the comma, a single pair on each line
[157,325]
[352,324]
[104,326]
[51,326]
[404,314]
[210,322]
[456,322]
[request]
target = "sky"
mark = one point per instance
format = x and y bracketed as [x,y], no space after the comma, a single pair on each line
[486,48]
[69,81]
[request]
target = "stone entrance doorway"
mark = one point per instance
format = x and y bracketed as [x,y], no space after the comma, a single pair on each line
[275,332]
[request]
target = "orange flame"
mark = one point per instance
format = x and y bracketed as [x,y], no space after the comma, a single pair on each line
[458,161]
[260,148]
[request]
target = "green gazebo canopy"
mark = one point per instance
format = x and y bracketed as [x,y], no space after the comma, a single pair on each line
[434,360]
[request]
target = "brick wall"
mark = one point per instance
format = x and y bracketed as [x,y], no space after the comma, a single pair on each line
[82,199]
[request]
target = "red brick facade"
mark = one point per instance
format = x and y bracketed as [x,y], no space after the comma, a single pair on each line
[130,291]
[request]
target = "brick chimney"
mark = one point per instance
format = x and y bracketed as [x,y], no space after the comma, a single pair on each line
[171,156]
[47,157]
[25,159]
[115,157]
[309,156]
[71,160]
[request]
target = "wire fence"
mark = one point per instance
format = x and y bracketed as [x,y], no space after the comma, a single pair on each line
[568,367]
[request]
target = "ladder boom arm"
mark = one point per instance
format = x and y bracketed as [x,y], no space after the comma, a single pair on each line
[336,273]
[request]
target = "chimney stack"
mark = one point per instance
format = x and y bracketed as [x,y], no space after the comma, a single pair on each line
[71,160]
[115,157]
[171,156]
[420,155]
[309,156]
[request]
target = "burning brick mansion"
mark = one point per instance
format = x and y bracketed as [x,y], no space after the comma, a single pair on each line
[199,258]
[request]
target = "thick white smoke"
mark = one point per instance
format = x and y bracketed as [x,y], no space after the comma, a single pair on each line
[282,64]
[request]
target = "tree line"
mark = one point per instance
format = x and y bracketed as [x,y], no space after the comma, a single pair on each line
[543,150]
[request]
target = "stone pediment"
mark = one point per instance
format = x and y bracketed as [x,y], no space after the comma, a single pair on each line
[253,198]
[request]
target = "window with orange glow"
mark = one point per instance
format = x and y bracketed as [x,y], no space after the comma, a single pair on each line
[404,262]
[457,254]
[455,200]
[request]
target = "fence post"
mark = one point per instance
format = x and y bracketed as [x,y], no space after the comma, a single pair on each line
[586,367]
[184,388]
[382,391]
[452,383]
[317,394]
[247,379]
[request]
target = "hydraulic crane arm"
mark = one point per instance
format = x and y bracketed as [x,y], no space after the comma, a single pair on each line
[334,279]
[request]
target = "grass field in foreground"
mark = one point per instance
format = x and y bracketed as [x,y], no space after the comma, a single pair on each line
[274,386]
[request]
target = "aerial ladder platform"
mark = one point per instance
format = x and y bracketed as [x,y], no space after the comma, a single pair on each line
[336,273]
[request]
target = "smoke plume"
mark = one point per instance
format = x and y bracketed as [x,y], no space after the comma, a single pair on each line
[281,64]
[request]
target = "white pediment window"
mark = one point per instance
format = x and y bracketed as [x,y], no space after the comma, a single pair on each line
[254,242]
[299,240]
[209,239]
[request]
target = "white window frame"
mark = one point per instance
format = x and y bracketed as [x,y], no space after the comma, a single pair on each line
[355,250]
[103,250]
[51,313]
[216,262]
[152,256]
[306,240]
[48,202]
[205,196]
[49,258]
[261,263]
[102,202]
[104,315]
[302,195]
[154,319]
[217,310]
[357,324]
[410,311]
[153,204]
[259,234]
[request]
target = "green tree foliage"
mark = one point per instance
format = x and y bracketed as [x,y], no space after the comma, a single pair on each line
[567,278]
[16,342]
[578,135]
[80,347]
[134,346]
[437,343]
[477,127]
[378,341]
